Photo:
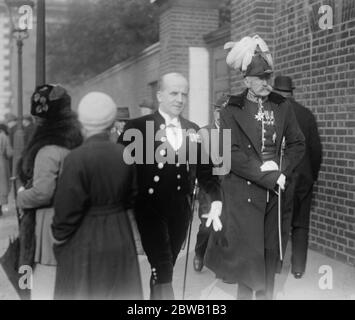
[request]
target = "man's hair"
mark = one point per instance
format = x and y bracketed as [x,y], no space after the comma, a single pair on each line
[162,79]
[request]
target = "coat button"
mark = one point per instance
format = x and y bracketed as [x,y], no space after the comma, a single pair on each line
[162,153]
[178,176]
[178,188]
[151,191]
[249,200]
[178,165]
[163,139]
[162,126]
[249,146]
[249,183]
[156,179]
[160,165]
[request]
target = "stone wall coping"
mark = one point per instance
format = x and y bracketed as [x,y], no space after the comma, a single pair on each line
[155,48]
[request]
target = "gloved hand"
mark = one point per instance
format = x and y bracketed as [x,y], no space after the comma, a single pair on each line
[282,181]
[269,166]
[213,216]
[21,189]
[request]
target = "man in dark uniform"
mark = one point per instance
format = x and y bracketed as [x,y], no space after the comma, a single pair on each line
[203,198]
[263,129]
[162,206]
[303,178]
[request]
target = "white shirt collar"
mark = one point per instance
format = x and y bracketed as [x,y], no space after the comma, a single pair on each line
[169,120]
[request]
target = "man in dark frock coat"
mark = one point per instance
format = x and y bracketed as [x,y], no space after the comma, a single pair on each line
[95,248]
[259,121]
[303,178]
[165,177]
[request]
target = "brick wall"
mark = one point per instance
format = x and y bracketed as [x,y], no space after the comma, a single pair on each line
[322,63]
[181,27]
[183,24]
[247,18]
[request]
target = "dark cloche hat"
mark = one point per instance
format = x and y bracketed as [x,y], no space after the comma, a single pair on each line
[49,101]
[283,83]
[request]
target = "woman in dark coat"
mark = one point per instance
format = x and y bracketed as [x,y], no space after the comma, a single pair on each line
[95,248]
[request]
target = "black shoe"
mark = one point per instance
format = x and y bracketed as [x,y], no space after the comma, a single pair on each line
[198,263]
[298,275]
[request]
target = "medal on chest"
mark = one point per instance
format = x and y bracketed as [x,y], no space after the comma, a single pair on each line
[266,117]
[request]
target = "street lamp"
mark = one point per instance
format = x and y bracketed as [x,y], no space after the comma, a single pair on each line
[20,12]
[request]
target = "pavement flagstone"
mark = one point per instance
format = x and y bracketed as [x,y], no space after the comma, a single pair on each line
[325,278]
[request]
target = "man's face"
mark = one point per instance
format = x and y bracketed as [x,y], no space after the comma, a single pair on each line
[260,86]
[119,125]
[173,95]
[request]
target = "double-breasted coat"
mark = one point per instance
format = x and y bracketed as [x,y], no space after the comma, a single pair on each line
[162,206]
[95,248]
[237,253]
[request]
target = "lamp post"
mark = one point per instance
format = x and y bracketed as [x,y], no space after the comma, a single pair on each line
[41,44]
[18,9]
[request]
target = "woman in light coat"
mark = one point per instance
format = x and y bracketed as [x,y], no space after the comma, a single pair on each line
[5,155]
[58,132]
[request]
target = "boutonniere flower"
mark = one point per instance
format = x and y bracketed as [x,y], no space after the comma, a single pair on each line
[194,137]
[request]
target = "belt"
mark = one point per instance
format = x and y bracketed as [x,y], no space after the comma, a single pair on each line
[268,156]
[106,210]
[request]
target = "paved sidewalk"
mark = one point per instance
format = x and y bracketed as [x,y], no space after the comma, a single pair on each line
[204,286]
[8,227]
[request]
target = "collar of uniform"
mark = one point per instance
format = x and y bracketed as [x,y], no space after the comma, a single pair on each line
[239,100]
[169,120]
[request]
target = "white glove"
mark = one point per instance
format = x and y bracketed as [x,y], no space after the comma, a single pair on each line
[213,216]
[282,181]
[269,166]
[21,189]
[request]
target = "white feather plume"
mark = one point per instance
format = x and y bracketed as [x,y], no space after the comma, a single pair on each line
[243,51]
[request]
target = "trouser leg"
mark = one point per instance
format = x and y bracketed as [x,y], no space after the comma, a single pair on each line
[202,239]
[162,237]
[299,249]
[300,227]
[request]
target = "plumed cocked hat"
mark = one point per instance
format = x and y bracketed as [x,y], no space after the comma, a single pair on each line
[251,56]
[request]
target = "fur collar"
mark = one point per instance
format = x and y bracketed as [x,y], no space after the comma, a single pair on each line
[238,100]
[64,133]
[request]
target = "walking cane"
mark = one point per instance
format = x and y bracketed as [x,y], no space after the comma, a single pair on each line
[189,237]
[279,200]
[14,185]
